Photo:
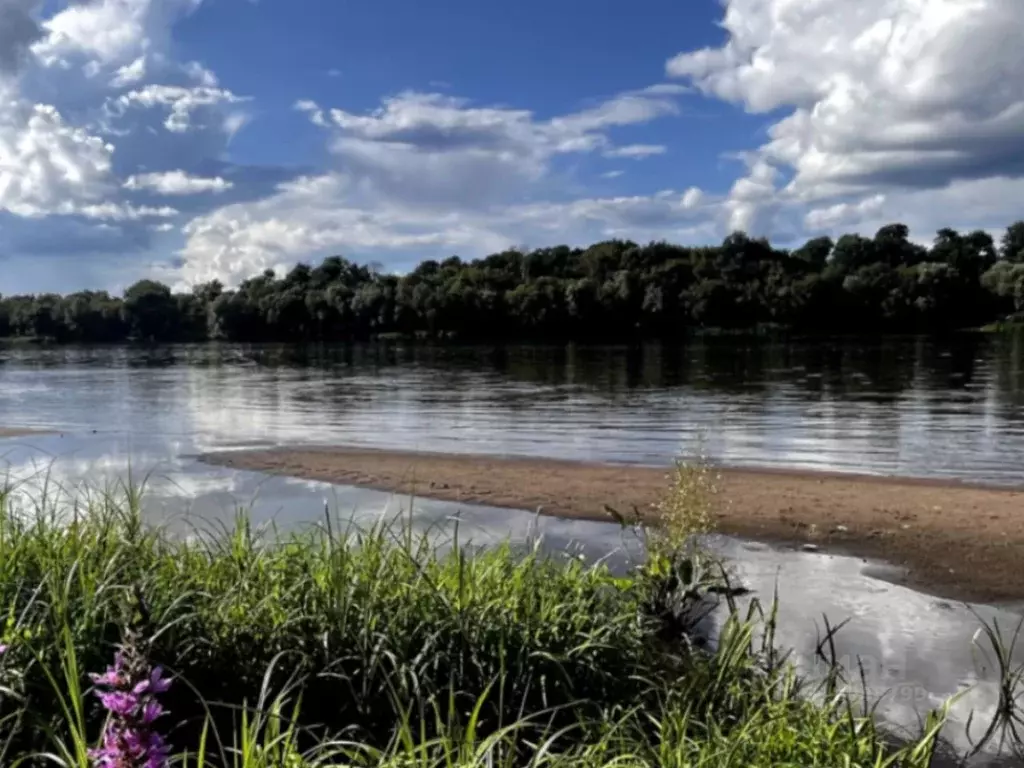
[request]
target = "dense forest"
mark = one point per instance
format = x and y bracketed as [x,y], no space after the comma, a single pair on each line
[611,290]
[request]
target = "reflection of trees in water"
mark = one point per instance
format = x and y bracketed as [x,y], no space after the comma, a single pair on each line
[932,373]
[1007,380]
[879,370]
[733,365]
[953,365]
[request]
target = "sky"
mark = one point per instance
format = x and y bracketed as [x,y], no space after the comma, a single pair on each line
[191,140]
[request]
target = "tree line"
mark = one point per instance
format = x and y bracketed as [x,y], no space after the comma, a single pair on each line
[612,290]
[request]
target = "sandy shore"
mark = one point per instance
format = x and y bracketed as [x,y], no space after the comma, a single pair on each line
[958,541]
[20,432]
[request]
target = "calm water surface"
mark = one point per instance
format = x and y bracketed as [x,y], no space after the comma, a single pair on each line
[901,406]
[896,406]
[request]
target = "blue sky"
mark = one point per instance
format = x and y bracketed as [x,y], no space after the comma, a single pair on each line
[352,54]
[190,140]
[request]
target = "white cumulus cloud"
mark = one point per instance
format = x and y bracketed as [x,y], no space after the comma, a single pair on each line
[176,183]
[47,165]
[879,96]
[180,101]
[108,31]
[65,195]
[116,211]
[444,149]
[51,168]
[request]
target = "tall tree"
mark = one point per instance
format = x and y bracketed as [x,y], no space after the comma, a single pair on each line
[1011,247]
[150,312]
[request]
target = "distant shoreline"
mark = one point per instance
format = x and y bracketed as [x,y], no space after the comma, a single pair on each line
[760,331]
[959,541]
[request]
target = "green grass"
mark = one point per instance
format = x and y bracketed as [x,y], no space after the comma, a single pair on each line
[337,646]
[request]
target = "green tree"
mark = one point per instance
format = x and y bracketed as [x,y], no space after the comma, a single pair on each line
[150,312]
[853,252]
[815,253]
[1011,247]
[893,247]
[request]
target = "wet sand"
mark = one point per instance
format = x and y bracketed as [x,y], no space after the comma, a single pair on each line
[959,541]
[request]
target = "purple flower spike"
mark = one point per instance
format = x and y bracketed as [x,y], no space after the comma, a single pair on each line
[128,692]
[3,649]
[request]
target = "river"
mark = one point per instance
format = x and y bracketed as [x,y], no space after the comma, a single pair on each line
[904,406]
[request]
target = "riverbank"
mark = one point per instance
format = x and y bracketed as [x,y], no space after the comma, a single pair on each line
[957,541]
[376,647]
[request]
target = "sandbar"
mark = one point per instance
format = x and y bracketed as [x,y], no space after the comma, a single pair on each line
[955,540]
